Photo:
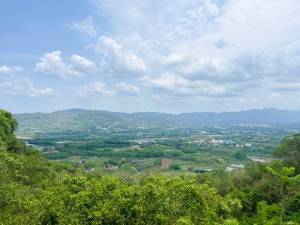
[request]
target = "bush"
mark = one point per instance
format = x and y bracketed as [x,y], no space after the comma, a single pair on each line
[175,167]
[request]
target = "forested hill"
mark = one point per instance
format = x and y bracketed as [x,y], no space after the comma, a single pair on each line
[34,191]
[78,119]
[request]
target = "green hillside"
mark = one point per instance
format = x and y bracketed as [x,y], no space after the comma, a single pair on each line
[79,119]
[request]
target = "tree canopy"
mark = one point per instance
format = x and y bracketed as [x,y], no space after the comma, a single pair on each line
[289,150]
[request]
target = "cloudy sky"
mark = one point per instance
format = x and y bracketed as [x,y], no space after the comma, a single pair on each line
[149,55]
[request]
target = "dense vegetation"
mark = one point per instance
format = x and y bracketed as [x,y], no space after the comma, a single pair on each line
[140,150]
[34,190]
[8,141]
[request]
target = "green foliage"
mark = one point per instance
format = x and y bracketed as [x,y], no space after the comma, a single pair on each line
[8,141]
[231,222]
[158,200]
[240,155]
[174,167]
[184,221]
[34,190]
[289,150]
[268,214]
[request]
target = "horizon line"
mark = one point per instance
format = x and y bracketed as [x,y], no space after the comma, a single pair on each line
[158,112]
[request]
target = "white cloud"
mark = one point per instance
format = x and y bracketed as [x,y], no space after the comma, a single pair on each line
[86,26]
[101,89]
[259,25]
[207,49]
[286,87]
[212,34]
[174,60]
[158,19]
[120,61]
[180,86]
[204,69]
[96,88]
[46,92]
[125,88]
[9,70]
[82,64]
[284,62]
[19,85]
[52,64]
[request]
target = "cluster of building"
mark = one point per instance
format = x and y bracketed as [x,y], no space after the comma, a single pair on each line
[45,149]
[144,141]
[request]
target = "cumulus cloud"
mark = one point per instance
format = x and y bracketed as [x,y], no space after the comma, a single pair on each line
[101,89]
[224,40]
[204,69]
[179,86]
[125,88]
[242,68]
[120,61]
[81,64]
[96,88]
[9,70]
[86,26]
[189,49]
[284,62]
[208,48]
[34,92]
[19,85]
[52,64]
[160,20]
[174,60]
[259,25]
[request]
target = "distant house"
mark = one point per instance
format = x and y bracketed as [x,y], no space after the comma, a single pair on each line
[50,149]
[217,142]
[234,167]
[144,141]
[91,170]
[258,160]
[165,163]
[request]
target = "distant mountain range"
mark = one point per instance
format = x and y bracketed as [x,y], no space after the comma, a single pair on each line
[80,119]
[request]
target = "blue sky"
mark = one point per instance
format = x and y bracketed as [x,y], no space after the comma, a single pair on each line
[155,55]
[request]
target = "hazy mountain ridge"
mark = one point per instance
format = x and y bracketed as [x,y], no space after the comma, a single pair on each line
[80,119]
